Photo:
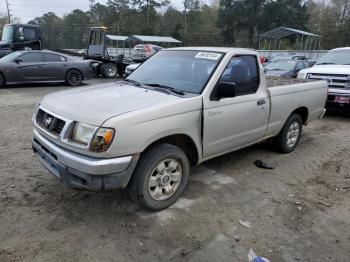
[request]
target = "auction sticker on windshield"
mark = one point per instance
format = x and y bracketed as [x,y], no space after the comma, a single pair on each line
[208,55]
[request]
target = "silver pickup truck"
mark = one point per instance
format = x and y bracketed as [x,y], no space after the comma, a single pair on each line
[181,107]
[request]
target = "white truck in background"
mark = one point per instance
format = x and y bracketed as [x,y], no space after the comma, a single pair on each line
[334,67]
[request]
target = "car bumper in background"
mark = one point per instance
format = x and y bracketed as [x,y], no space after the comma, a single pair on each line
[338,99]
[83,172]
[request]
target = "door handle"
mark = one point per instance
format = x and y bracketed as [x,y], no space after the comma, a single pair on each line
[261,102]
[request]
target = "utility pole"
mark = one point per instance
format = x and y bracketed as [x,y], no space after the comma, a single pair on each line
[92,4]
[8,12]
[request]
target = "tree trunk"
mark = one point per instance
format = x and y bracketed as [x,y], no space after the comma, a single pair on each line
[252,35]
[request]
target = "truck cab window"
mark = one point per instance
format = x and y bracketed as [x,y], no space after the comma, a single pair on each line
[299,66]
[243,72]
[29,34]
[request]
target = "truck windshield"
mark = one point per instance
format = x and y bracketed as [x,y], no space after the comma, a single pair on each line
[335,57]
[7,34]
[183,70]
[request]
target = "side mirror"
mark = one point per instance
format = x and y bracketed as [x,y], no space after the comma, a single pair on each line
[225,90]
[18,60]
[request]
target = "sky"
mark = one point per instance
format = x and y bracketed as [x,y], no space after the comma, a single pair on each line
[29,9]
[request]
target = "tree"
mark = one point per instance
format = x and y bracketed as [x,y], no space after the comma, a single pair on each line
[148,7]
[76,25]
[118,6]
[52,30]
[289,13]
[189,6]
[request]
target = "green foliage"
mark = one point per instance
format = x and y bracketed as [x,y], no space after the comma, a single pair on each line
[223,23]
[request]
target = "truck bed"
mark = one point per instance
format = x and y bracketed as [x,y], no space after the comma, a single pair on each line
[286,95]
[278,81]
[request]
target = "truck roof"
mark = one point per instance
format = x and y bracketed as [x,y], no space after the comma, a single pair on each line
[215,49]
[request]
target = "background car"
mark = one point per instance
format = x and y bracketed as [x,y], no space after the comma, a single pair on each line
[131,68]
[285,68]
[143,51]
[43,67]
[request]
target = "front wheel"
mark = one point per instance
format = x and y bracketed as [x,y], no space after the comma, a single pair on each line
[160,177]
[288,139]
[74,78]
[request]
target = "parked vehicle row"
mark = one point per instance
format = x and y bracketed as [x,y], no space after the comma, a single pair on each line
[285,68]
[178,108]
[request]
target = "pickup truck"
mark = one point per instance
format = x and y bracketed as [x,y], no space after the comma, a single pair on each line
[181,107]
[333,67]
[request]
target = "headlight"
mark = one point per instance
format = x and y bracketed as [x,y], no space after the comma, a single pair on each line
[102,139]
[99,138]
[83,133]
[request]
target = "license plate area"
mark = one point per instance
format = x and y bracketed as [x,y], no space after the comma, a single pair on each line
[342,99]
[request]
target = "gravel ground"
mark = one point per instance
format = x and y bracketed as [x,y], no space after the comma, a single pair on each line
[297,212]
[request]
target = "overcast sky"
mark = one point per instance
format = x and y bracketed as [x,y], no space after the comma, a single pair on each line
[29,9]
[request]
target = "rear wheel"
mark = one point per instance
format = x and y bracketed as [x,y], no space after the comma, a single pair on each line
[160,177]
[2,81]
[109,70]
[288,139]
[74,77]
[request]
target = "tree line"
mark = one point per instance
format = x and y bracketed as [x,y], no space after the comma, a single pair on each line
[220,23]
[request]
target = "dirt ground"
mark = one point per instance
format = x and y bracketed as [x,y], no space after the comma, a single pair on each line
[300,211]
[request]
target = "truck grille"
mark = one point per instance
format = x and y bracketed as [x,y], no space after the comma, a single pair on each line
[49,122]
[333,80]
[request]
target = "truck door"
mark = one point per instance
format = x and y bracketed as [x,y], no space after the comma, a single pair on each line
[234,122]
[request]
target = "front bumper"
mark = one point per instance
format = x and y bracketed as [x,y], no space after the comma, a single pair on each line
[332,104]
[83,172]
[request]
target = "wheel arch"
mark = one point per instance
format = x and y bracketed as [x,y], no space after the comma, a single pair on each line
[182,141]
[303,112]
[3,76]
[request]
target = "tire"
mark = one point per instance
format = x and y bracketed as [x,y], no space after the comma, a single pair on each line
[155,175]
[74,77]
[109,70]
[288,139]
[2,81]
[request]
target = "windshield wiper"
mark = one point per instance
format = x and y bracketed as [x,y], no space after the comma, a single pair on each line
[172,89]
[326,63]
[133,82]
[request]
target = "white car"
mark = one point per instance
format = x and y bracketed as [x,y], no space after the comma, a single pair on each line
[141,52]
[131,68]
[333,67]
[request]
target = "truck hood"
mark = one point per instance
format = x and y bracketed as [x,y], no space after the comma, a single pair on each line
[327,69]
[95,104]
